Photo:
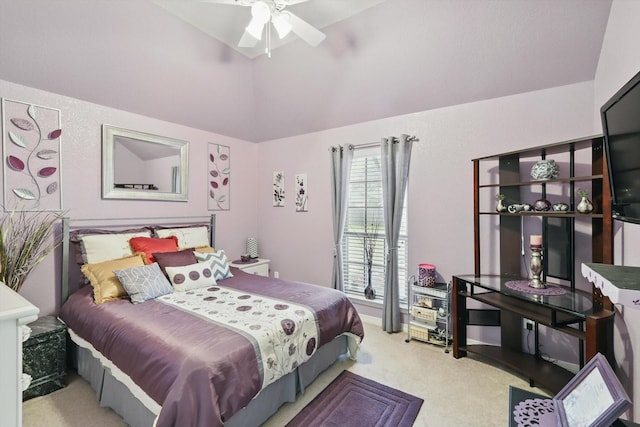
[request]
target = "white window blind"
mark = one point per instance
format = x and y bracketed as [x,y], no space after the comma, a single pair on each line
[364,215]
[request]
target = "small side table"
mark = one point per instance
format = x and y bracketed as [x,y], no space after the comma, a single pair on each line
[44,356]
[258,266]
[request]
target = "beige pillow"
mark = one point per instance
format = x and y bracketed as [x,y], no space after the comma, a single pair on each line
[188,237]
[104,247]
[106,286]
[205,249]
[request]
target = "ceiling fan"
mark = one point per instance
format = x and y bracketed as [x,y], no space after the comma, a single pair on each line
[264,12]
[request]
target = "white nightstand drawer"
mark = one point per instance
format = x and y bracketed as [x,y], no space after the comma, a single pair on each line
[260,267]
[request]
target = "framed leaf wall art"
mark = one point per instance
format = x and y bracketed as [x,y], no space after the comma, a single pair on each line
[31,141]
[219,177]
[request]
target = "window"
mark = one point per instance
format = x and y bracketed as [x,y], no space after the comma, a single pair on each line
[365,216]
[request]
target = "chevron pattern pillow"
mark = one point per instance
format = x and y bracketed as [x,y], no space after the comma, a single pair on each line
[218,262]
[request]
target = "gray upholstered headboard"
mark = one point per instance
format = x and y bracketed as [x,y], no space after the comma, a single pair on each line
[70,224]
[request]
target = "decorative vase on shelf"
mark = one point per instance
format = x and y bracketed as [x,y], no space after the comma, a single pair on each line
[545,169]
[501,206]
[585,206]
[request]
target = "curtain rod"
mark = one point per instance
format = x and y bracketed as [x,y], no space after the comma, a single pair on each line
[412,138]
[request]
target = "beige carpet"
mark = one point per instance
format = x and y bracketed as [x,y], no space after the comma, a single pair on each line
[466,391]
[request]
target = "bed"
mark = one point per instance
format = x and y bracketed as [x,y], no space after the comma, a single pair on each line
[221,347]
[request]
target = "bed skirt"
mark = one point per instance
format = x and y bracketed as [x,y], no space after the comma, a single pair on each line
[114,390]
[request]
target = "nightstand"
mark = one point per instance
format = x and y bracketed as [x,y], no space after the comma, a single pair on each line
[44,356]
[259,266]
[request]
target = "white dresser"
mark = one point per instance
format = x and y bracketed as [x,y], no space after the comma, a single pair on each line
[15,311]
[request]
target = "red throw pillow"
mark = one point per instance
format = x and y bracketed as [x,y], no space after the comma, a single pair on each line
[149,245]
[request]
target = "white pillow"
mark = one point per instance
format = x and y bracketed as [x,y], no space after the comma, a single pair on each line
[188,237]
[192,276]
[105,247]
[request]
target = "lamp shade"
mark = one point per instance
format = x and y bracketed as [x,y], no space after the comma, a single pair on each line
[252,247]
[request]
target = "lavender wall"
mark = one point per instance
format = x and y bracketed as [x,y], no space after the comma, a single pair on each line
[619,61]
[440,186]
[300,244]
[81,179]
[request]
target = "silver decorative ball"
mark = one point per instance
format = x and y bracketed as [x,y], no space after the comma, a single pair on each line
[545,169]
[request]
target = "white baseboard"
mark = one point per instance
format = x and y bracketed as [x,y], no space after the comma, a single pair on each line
[372,320]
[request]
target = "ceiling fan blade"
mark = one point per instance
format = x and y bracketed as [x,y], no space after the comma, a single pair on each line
[305,31]
[260,15]
[290,2]
[233,2]
[247,40]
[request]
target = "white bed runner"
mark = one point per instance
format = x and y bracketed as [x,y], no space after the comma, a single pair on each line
[284,335]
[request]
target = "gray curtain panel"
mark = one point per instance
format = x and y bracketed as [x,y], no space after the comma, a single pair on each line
[395,157]
[340,169]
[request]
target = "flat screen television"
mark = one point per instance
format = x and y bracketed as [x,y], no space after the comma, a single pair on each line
[621,127]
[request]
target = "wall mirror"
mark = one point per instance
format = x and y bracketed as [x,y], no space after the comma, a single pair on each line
[138,165]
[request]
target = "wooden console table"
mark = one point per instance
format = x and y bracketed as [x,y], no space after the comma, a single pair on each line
[572,313]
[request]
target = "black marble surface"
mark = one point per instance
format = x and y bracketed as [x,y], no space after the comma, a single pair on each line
[44,356]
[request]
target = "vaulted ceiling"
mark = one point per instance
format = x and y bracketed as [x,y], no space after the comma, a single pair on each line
[395,57]
[225,21]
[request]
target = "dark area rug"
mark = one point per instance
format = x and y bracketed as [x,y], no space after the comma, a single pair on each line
[353,401]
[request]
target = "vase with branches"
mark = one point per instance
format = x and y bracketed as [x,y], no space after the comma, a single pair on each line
[369,241]
[26,238]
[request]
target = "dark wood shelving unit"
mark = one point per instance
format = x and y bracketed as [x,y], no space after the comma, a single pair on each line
[586,316]
[557,214]
[540,371]
[548,181]
[538,313]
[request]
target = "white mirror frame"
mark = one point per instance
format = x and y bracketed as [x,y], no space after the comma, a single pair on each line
[109,190]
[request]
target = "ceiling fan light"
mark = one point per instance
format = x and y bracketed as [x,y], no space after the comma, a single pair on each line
[260,12]
[282,24]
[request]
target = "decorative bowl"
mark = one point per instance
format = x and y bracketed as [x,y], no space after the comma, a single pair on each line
[561,207]
[519,207]
[545,169]
[541,205]
[515,208]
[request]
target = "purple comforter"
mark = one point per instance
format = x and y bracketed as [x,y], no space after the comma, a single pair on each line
[200,373]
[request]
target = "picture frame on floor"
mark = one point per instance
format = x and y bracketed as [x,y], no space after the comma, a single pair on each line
[594,396]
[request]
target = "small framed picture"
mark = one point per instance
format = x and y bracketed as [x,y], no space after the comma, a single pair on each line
[594,397]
